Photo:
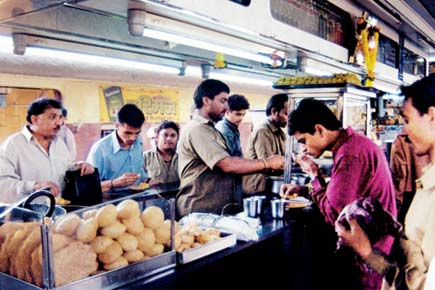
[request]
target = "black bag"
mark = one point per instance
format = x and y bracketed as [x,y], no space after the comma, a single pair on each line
[83,190]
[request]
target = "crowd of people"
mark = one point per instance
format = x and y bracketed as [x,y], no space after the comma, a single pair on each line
[206,158]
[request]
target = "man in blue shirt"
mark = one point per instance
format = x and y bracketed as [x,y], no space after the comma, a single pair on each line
[229,127]
[118,156]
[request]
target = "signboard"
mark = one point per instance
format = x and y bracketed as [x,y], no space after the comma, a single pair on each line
[157,104]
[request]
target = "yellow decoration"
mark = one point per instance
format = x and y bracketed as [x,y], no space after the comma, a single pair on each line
[369,54]
[220,60]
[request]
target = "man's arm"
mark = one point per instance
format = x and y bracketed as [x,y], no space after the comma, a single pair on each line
[238,165]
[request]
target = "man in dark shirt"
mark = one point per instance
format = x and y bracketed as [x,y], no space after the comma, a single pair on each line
[229,127]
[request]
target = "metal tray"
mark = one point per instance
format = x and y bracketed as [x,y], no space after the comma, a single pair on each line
[226,240]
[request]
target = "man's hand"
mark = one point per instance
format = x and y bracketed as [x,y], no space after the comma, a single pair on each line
[354,238]
[126,179]
[85,168]
[308,165]
[275,162]
[54,188]
[289,189]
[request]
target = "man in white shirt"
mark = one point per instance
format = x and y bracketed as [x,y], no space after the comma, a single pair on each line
[35,157]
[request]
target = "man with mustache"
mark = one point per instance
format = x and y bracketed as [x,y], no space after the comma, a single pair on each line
[161,163]
[360,169]
[267,140]
[118,156]
[35,157]
[207,169]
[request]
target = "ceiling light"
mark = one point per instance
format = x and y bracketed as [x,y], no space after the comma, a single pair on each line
[6,44]
[166,36]
[102,60]
[195,71]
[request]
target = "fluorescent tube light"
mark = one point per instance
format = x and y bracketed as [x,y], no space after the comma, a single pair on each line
[165,36]
[73,56]
[6,44]
[195,71]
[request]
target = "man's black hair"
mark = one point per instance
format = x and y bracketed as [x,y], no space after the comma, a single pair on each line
[38,106]
[276,101]
[309,113]
[131,115]
[209,88]
[64,112]
[238,103]
[421,93]
[166,124]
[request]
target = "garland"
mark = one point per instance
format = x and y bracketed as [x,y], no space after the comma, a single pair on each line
[370,53]
[366,29]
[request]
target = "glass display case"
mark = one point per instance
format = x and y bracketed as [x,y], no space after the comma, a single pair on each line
[350,103]
[99,247]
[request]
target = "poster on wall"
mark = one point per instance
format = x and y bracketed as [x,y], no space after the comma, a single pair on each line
[157,104]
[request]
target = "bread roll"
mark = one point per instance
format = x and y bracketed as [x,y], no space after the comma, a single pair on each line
[89,213]
[133,256]
[134,225]
[163,233]
[120,262]
[114,231]
[127,209]
[111,254]
[67,225]
[152,217]
[106,215]
[101,243]
[155,250]
[87,230]
[128,242]
[146,240]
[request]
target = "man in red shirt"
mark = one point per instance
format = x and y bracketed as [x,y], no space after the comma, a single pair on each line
[360,169]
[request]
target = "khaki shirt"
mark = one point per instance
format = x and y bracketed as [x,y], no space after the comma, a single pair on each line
[266,140]
[202,188]
[158,169]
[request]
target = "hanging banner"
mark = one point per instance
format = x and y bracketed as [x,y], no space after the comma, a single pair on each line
[157,104]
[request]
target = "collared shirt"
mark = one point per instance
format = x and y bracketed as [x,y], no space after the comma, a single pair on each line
[113,161]
[23,162]
[406,167]
[202,187]
[159,169]
[420,227]
[418,245]
[232,136]
[265,141]
[360,169]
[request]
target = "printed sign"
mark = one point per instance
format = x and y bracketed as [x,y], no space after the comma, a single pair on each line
[157,104]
